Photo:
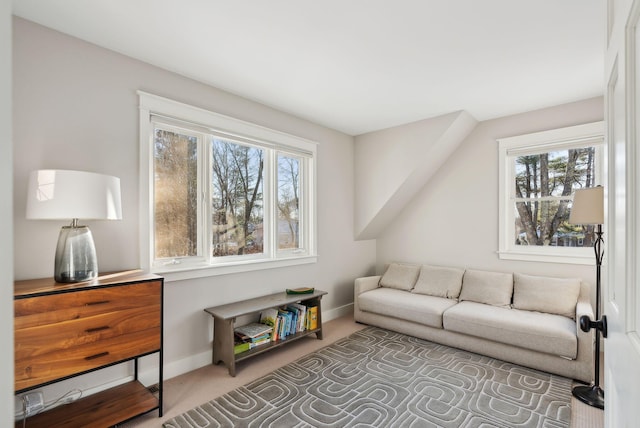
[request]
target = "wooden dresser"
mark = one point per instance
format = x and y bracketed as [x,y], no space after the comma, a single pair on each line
[64,330]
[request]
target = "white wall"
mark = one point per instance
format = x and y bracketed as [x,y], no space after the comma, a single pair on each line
[76,107]
[393,164]
[6,216]
[454,220]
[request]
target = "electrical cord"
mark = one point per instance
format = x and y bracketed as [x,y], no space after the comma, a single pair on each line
[75,390]
[46,406]
[24,412]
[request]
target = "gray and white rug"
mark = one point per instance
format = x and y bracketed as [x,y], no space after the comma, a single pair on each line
[384,379]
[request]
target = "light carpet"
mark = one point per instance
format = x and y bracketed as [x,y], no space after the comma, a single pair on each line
[376,377]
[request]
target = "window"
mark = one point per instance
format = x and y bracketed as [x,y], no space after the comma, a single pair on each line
[222,195]
[538,175]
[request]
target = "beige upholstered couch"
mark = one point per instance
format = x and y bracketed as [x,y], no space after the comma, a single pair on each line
[527,320]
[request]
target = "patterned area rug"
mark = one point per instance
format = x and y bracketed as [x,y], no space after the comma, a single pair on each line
[384,379]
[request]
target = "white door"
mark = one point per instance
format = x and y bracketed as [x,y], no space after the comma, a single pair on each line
[621,275]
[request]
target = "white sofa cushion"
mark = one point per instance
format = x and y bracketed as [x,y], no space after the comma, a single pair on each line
[439,281]
[550,295]
[421,309]
[400,276]
[548,333]
[491,288]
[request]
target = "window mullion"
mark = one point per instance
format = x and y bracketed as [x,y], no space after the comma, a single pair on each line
[305,210]
[270,204]
[302,206]
[204,224]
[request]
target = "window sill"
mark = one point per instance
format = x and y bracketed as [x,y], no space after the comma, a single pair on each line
[530,256]
[172,274]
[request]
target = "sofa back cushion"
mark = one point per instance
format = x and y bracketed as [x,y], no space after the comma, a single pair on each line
[400,276]
[491,288]
[549,295]
[439,281]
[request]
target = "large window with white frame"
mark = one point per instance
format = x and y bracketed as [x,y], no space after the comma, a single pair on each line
[222,195]
[538,175]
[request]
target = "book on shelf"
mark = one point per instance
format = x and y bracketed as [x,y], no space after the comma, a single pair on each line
[302,315]
[285,324]
[276,328]
[312,317]
[270,318]
[243,338]
[294,319]
[241,346]
[253,330]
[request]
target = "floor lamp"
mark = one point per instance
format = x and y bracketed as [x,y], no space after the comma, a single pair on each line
[588,208]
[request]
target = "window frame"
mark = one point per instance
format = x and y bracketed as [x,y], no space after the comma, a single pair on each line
[196,120]
[589,134]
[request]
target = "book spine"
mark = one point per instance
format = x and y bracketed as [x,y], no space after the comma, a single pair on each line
[313,317]
[276,326]
[258,343]
[299,316]
[241,347]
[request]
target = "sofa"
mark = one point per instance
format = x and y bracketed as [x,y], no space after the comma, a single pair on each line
[527,320]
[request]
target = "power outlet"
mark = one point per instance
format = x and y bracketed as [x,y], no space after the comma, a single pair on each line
[33,403]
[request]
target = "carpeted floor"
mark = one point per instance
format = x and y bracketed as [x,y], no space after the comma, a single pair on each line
[379,378]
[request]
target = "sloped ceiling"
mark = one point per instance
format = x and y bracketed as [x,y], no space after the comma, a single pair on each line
[394,164]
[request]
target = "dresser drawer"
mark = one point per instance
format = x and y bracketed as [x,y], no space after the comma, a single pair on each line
[39,340]
[56,308]
[66,362]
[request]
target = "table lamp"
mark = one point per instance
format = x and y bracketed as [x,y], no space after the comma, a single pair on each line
[588,208]
[71,195]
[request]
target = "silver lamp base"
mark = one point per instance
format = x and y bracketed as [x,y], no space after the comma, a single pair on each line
[75,255]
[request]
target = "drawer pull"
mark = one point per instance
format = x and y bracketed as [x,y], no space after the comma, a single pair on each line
[93,357]
[98,302]
[96,329]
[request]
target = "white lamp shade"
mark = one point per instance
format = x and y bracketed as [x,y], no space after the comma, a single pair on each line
[588,206]
[63,194]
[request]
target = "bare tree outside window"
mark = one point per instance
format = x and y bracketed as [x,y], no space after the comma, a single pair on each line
[237,199]
[175,194]
[288,202]
[544,184]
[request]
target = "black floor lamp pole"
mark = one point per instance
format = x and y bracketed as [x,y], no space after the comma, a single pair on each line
[593,395]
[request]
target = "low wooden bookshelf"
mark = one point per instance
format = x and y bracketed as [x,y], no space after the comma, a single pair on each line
[224,317]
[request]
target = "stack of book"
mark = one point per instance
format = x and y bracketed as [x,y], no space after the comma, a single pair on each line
[251,335]
[290,319]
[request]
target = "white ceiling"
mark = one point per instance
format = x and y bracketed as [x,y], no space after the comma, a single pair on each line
[358,65]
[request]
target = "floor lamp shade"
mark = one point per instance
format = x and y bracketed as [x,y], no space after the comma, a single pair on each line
[72,195]
[588,206]
[588,209]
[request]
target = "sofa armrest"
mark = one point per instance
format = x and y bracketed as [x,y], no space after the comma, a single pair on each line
[361,285]
[583,308]
[586,340]
[365,284]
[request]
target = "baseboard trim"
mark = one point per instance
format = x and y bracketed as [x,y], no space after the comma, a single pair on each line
[337,312]
[188,364]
